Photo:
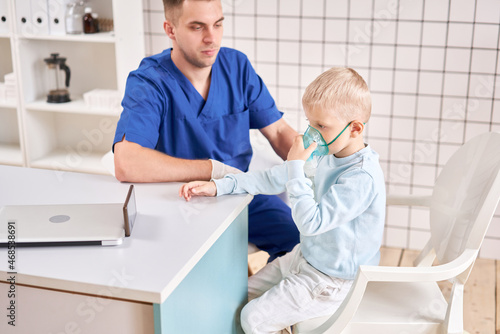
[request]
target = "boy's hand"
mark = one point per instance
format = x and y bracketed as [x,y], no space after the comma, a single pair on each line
[198,188]
[298,152]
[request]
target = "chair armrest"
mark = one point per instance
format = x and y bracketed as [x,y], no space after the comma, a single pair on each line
[339,320]
[420,274]
[410,200]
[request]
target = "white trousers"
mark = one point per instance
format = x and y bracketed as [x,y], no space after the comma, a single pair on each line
[287,291]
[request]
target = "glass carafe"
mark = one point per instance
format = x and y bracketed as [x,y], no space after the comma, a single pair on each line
[58,79]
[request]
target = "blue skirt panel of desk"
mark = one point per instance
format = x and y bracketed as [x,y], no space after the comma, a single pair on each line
[208,300]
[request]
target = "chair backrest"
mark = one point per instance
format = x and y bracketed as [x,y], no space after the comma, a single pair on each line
[465,197]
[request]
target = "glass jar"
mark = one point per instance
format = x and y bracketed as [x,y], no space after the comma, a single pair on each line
[74,17]
[89,26]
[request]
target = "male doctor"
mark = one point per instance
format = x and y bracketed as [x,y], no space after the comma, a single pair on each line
[187,113]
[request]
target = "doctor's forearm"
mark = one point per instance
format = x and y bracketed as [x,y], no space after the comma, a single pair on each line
[285,142]
[281,136]
[134,163]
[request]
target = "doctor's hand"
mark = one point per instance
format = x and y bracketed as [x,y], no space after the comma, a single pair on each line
[298,152]
[197,188]
[219,170]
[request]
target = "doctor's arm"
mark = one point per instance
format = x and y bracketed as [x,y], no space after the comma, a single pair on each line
[280,135]
[135,163]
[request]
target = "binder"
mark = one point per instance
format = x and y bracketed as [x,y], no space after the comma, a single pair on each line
[57,11]
[40,17]
[23,17]
[4,17]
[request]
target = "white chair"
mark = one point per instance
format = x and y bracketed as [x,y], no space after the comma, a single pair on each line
[408,299]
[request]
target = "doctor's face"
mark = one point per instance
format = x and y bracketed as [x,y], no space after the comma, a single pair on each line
[197,34]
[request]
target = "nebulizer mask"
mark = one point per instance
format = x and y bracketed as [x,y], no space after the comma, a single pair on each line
[312,135]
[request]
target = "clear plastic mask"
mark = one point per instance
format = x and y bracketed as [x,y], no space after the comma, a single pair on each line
[312,135]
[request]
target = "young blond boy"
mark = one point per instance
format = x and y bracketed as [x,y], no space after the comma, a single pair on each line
[338,205]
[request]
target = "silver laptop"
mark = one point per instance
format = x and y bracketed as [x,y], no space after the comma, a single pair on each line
[67,224]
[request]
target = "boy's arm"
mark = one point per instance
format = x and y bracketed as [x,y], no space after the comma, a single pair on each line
[344,201]
[270,182]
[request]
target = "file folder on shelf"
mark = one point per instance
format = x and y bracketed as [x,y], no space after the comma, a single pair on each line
[57,10]
[4,17]
[40,17]
[32,17]
[23,17]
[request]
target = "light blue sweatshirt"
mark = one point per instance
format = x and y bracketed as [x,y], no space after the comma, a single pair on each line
[340,218]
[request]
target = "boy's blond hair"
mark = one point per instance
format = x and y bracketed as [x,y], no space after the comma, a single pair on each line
[341,90]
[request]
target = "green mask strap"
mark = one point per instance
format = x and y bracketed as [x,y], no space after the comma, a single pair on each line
[341,132]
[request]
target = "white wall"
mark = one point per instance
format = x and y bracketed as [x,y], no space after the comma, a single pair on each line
[432,67]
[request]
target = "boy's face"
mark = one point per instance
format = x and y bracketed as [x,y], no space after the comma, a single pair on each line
[330,127]
[197,35]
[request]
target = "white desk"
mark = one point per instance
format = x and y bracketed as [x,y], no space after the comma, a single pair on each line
[183,270]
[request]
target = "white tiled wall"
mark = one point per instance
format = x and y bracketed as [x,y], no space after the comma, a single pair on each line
[432,66]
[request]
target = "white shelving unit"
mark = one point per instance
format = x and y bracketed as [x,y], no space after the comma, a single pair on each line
[66,136]
[11,152]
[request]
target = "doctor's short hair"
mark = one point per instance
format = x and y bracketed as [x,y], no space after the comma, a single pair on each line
[341,90]
[173,9]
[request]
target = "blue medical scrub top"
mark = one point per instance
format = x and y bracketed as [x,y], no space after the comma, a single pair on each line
[163,111]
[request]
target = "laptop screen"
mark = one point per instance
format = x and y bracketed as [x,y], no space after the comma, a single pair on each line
[129,211]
